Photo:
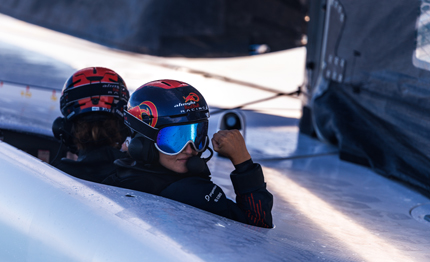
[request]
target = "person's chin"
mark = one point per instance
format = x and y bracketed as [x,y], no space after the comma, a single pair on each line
[181,167]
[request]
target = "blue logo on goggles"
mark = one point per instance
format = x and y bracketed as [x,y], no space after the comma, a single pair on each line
[171,140]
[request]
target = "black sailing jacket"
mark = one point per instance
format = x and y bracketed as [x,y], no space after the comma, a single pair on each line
[253,202]
[93,165]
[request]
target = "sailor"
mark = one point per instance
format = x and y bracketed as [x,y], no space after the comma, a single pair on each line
[92,102]
[169,122]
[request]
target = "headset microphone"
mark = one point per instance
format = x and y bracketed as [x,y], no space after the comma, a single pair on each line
[197,165]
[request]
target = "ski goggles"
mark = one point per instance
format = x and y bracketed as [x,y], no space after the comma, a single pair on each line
[171,140]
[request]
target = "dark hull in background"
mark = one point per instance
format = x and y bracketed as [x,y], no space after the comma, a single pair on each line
[367,89]
[191,28]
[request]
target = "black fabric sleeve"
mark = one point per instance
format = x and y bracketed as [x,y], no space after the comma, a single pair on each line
[254,202]
[252,197]
[242,167]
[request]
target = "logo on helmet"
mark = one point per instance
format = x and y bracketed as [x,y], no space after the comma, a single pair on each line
[191,97]
[145,108]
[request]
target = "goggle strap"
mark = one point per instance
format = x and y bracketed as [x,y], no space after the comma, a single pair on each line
[140,126]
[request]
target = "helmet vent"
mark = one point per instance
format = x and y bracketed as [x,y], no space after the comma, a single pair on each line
[94,78]
[74,83]
[166,83]
[95,101]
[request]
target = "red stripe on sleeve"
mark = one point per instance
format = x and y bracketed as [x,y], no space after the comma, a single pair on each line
[253,203]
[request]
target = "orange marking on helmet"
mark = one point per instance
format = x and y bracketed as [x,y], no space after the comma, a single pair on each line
[90,75]
[191,97]
[109,77]
[148,108]
[166,84]
[80,80]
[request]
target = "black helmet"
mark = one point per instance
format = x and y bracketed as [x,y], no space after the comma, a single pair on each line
[94,89]
[168,114]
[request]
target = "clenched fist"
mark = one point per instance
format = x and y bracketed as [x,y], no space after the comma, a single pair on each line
[231,144]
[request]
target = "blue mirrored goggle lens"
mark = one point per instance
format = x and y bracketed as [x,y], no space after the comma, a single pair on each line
[173,139]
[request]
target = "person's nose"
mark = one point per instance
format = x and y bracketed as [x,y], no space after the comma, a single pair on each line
[189,150]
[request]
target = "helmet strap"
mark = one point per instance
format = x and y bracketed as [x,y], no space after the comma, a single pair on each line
[139,126]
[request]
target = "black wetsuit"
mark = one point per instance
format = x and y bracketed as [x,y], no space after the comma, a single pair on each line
[92,164]
[253,202]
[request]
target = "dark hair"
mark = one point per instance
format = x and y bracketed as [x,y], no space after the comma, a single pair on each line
[104,131]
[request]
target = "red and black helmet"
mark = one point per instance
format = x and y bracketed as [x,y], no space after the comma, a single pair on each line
[94,89]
